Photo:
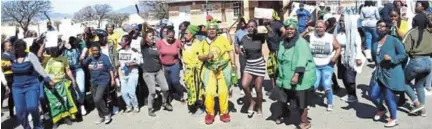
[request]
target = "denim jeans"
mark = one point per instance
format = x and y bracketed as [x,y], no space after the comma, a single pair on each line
[370,35]
[172,74]
[429,78]
[26,99]
[80,80]
[376,90]
[417,69]
[128,88]
[324,79]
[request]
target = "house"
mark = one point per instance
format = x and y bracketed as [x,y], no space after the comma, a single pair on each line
[227,12]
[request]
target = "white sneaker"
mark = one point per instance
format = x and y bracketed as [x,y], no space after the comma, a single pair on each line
[391,123]
[330,108]
[368,54]
[242,92]
[83,110]
[428,92]
[349,99]
[115,110]
[30,118]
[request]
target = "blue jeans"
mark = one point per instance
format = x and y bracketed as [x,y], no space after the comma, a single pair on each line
[80,80]
[376,90]
[429,78]
[26,99]
[417,69]
[370,35]
[324,79]
[172,75]
[128,88]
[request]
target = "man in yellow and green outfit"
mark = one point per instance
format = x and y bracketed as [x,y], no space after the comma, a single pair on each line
[192,70]
[217,54]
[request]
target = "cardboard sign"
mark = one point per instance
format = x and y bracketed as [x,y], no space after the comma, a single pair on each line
[51,39]
[263,13]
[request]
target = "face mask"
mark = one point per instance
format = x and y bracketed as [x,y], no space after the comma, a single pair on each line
[381,34]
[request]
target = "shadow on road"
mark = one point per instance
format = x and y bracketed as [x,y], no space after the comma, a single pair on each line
[10,123]
[276,110]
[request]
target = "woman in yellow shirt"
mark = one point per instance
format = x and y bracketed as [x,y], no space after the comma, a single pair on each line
[192,69]
[400,26]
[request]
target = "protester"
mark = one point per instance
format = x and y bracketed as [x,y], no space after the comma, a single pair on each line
[369,16]
[26,85]
[255,68]
[192,71]
[129,60]
[239,34]
[219,61]
[399,26]
[350,58]
[113,38]
[60,100]
[296,74]
[153,73]
[169,49]
[418,48]
[304,17]
[101,78]
[7,58]
[388,78]
[276,29]
[72,54]
[325,50]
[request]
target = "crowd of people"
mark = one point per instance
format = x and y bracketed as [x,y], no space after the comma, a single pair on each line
[303,53]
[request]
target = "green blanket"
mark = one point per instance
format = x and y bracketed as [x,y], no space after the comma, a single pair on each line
[61,102]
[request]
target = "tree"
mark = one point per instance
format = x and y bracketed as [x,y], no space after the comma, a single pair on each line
[102,11]
[118,18]
[23,12]
[159,7]
[85,14]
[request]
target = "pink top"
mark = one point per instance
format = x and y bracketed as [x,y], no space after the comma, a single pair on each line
[169,54]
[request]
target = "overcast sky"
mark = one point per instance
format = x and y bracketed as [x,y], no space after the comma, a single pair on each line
[72,6]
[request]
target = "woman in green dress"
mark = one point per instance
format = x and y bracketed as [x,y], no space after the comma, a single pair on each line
[296,73]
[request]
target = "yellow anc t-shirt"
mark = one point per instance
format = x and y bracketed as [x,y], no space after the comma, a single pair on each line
[220,48]
[55,67]
[114,38]
[190,54]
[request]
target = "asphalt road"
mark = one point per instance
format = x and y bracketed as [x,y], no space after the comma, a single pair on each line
[354,116]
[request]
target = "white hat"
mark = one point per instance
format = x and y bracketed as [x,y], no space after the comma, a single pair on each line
[322,4]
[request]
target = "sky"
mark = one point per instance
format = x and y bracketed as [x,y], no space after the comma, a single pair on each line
[72,6]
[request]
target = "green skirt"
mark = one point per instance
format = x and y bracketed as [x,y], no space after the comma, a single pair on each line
[61,102]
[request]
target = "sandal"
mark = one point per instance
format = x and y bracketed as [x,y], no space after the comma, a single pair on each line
[251,113]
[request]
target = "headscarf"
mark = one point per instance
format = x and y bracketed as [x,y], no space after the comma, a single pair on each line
[110,25]
[193,29]
[275,16]
[212,25]
[291,21]
[127,28]
[420,21]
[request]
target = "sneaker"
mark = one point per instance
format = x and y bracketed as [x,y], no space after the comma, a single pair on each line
[151,112]
[107,119]
[83,110]
[209,119]
[100,121]
[391,123]
[128,109]
[115,110]
[428,92]
[68,121]
[168,107]
[330,108]
[350,99]
[30,118]
[423,113]
[242,92]
[416,109]
[368,54]
[136,110]
[225,118]
[378,115]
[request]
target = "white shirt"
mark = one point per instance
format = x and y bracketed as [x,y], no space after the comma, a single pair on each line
[322,48]
[129,56]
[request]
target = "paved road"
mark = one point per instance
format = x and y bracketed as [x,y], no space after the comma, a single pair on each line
[356,116]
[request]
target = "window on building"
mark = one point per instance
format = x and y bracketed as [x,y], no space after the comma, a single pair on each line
[207,8]
[236,9]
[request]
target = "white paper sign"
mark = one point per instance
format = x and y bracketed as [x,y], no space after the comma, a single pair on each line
[52,39]
[264,13]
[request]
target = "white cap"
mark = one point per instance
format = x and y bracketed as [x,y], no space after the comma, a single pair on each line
[322,4]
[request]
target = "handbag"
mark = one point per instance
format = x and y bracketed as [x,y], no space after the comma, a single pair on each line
[278,94]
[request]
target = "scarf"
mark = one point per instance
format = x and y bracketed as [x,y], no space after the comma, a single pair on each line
[350,53]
